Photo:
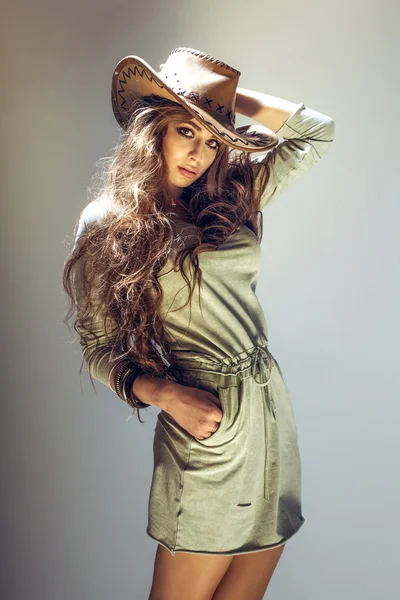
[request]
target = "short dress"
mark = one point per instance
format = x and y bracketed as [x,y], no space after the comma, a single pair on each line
[239,490]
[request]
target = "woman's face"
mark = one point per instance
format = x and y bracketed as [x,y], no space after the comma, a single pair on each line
[187,144]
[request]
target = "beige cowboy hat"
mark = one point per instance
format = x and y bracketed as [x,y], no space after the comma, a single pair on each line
[204,85]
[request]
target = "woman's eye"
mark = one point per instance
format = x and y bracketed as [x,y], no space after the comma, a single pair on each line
[216,146]
[182,129]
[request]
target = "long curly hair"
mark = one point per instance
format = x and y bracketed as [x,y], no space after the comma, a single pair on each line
[119,257]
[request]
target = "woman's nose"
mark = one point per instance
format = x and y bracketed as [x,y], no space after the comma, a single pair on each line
[197,150]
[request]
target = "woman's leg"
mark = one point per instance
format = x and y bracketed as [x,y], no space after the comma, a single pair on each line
[186,576]
[248,575]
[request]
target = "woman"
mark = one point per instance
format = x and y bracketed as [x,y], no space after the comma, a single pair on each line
[163,275]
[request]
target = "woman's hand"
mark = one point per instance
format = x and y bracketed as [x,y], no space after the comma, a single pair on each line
[194,409]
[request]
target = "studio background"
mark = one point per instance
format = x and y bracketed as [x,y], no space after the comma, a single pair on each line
[75,476]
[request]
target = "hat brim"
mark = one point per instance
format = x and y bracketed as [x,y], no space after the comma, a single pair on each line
[133,78]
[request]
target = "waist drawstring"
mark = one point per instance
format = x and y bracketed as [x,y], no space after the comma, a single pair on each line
[259,365]
[260,355]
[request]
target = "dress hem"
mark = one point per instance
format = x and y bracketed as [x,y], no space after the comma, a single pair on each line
[228,552]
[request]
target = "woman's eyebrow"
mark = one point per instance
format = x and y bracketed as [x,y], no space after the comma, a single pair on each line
[195,126]
[192,124]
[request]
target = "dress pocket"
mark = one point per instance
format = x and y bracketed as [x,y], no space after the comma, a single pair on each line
[215,437]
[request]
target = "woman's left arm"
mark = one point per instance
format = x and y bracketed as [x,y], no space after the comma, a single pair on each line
[307,136]
[270,111]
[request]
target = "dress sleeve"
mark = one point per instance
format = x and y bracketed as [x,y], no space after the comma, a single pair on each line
[307,136]
[97,353]
[97,357]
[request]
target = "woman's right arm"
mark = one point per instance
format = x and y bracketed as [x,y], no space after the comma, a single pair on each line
[150,390]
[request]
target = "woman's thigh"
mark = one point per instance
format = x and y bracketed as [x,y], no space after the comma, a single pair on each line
[248,575]
[185,576]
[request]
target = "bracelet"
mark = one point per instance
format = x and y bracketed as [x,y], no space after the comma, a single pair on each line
[127,374]
[127,382]
[124,362]
[124,367]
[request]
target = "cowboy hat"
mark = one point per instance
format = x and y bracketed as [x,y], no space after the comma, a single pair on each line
[204,85]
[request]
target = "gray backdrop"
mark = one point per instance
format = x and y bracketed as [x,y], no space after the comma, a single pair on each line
[75,476]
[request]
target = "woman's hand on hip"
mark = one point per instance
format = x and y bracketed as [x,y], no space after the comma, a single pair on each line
[194,409]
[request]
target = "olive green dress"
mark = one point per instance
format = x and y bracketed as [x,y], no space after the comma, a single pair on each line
[238,490]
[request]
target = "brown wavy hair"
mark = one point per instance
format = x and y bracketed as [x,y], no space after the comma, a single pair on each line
[121,254]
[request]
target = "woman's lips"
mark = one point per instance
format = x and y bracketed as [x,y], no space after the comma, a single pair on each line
[186,173]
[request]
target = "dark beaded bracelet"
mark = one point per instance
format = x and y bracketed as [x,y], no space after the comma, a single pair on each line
[128,385]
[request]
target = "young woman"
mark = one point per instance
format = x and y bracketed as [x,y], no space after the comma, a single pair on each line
[163,277]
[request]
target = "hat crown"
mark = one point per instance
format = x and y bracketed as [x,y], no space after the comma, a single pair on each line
[203,80]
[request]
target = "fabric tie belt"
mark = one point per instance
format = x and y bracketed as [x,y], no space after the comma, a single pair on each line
[262,364]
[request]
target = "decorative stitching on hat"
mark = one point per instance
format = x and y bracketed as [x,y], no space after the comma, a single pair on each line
[207,57]
[196,97]
[127,74]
